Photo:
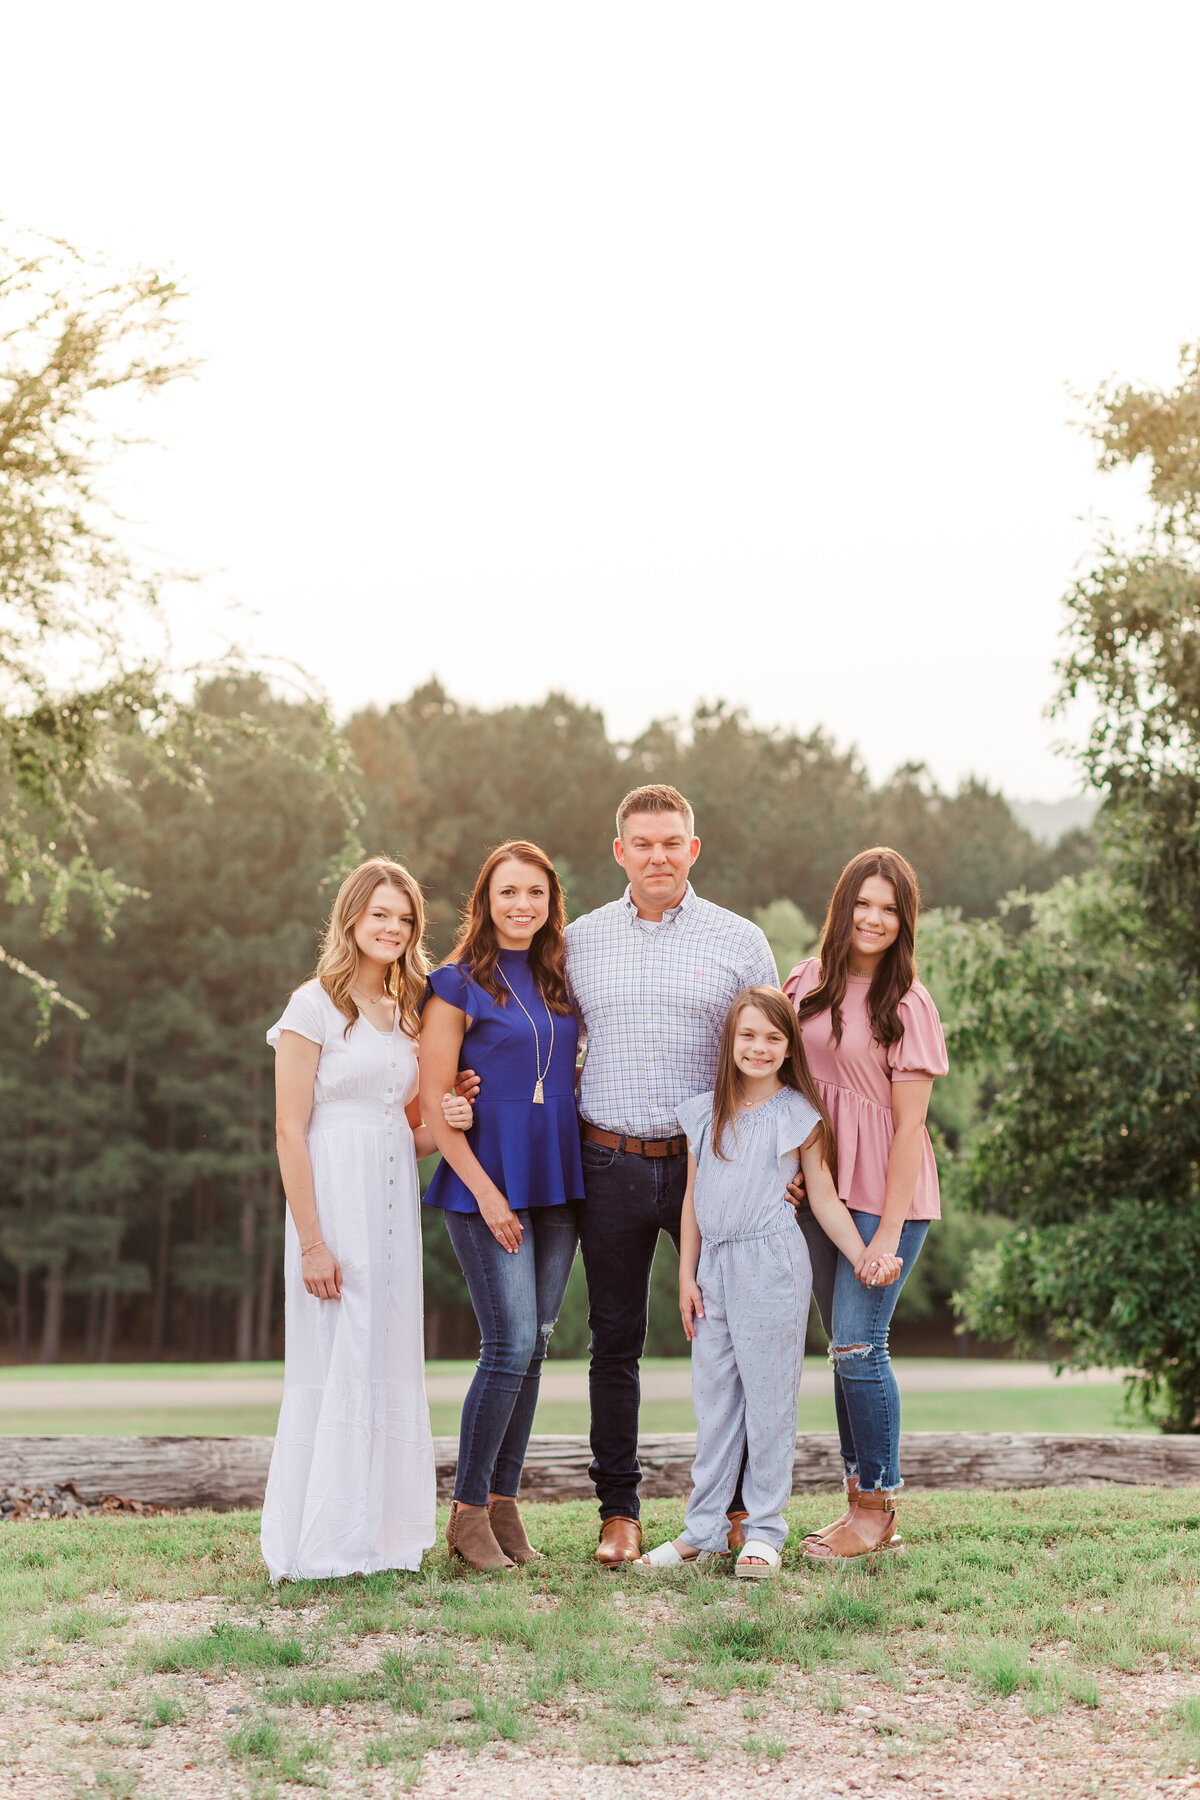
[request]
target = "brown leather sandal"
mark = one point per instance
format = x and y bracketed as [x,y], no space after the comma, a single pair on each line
[508,1529]
[470,1536]
[737,1528]
[838,1543]
[851,1486]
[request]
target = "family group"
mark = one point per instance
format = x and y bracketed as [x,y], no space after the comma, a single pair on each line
[776,1135]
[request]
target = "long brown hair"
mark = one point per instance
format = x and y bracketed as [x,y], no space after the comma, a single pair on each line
[340,958]
[897,968]
[793,1071]
[476,943]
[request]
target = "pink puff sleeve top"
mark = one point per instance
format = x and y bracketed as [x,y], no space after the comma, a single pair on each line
[855,1079]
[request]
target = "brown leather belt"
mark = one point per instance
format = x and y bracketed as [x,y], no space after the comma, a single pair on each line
[609,1140]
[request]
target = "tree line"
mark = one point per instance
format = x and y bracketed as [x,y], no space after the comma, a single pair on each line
[140,1209]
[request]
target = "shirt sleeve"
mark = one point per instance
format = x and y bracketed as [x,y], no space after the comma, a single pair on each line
[450,983]
[919,1054]
[796,1121]
[800,982]
[694,1115]
[305,1014]
[759,968]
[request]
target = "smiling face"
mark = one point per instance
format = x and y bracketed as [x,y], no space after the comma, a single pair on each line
[759,1046]
[519,902]
[656,853]
[384,928]
[876,924]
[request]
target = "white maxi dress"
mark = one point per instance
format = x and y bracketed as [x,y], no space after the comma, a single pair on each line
[352,1485]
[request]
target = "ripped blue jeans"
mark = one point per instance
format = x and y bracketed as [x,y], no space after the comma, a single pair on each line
[856,1321]
[516,1301]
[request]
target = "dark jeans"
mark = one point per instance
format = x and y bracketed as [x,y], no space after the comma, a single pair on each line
[516,1301]
[630,1199]
[856,1321]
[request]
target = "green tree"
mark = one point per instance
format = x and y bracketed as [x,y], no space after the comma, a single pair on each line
[77,343]
[1133,625]
[791,936]
[1091,1144]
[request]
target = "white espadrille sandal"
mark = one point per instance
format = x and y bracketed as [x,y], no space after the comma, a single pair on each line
[666,1556]
[759,1571]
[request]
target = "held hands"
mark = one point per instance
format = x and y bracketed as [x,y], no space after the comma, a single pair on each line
[878,1266]
[322,1272]
[458,1111]
[691,1306]
[795,1190]
[500,1220]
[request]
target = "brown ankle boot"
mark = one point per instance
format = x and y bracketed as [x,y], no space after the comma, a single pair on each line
[470,1535]
[737,1531]
[508,1530]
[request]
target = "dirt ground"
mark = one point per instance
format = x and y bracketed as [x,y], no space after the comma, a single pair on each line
[82,1723]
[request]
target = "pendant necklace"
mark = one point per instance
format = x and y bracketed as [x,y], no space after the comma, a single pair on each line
[539,1098]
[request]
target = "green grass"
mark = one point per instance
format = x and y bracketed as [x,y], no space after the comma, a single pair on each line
[1099,1408]
[1041,1599]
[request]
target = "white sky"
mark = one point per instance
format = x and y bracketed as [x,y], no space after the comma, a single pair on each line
[650,351]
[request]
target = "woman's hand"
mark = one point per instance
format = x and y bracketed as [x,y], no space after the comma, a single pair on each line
[322,1272]
[691,1306]
[457,1111]
[796,1193]
[883,1244]
[501,1220]
[879,1268]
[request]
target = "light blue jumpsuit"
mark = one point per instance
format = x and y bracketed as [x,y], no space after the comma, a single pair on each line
[755,1279]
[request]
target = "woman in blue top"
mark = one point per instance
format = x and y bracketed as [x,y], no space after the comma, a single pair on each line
[507,1186]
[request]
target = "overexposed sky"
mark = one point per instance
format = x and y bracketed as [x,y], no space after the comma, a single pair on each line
[652,351]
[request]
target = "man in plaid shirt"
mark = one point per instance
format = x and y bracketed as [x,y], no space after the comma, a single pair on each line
[651,977]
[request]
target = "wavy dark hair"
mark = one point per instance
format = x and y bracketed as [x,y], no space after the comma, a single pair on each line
[794,1071]
[897,966]
[476,944]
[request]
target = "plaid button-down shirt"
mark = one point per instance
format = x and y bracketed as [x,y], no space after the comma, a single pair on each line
[652,1000]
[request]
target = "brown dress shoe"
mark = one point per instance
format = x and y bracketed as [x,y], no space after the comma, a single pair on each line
[508,1529]
[620,1543]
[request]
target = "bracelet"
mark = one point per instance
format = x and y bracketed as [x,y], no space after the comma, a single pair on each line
[317,1244]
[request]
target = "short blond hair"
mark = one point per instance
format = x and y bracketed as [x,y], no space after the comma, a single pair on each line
[658,798]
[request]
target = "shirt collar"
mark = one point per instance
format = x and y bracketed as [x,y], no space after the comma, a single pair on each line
[672,912]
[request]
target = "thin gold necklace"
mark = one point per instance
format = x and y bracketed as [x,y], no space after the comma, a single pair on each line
[539,1098]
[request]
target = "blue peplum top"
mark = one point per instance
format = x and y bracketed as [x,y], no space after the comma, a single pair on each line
[531,1152]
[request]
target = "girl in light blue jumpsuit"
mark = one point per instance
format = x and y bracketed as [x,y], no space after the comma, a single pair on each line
[745,1277]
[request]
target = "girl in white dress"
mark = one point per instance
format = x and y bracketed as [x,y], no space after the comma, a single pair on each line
[351,1486]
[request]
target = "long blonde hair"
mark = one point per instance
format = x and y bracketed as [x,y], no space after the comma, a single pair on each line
[340,959]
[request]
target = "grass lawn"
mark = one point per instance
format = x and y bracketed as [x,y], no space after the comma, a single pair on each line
[1076,1409]
[138,1648]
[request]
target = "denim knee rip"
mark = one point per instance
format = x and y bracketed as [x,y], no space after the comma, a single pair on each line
[840,1353]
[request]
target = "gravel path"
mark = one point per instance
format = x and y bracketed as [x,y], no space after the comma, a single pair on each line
[78,1724]
[915,1375]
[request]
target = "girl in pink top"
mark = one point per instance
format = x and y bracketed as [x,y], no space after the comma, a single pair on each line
[874,1044]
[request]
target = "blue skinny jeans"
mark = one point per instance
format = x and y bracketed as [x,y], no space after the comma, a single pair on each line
[516,1301]
[856,1321]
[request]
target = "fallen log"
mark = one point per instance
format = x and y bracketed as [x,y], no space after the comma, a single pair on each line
[225,1473]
